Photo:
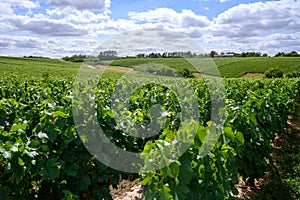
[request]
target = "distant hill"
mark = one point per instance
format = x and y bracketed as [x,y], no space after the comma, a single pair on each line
[228,67]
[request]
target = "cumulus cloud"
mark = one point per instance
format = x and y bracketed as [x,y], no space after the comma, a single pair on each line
[43,26]
[52,28]
[259,25]
[23,3]
[186,18]
[5,9]
[82,5]
[258,18]
[36,23]
[30,45]
[147,40]
[77,16]
[7,6]
[4,44]
[7,41]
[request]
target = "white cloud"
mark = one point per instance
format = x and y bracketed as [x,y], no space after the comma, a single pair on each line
[147,40]
[165,15]
[7,6]
[8,41]
[223,1]
[23,3]
[257,25]
[28,45]
[170,17]
[40,25]
[82,5]
[51,28]
[262,17]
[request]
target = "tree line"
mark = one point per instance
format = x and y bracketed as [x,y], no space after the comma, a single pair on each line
[112,55]
[291,54]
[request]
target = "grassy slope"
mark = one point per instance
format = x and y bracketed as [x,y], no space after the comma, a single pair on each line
[37,68]
[228,67]
[241,66]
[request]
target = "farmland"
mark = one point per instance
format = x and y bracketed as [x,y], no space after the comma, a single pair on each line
[41,68]
[43,156]
[228,67]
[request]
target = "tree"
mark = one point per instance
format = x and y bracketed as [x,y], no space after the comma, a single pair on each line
[213,53]
[243,54]
[293,54]
[280,54]
[140,55]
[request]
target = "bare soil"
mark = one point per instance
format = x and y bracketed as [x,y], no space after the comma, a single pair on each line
[253,75]
[116,68]
[127,190]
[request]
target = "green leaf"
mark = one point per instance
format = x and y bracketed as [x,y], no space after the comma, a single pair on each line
[186,170]
[1,148]
[50,169]
[174,169]
[201,133]
[21,162]
[181,191]
[60,114]
[4,133]
[166,193]
[16,127]
[240,138]
[229,133]
[85,182]
[68,155]
[52,134]
[34,143]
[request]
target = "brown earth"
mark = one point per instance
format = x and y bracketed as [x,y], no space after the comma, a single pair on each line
[116,68]
[253,75]
[127,190]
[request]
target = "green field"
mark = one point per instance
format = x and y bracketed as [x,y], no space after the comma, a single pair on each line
[228,67]
[43,153]
[41,68]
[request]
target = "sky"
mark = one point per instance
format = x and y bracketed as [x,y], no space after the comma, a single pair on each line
[57,28]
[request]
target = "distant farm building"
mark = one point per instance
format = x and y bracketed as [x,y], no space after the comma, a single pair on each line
[224,56]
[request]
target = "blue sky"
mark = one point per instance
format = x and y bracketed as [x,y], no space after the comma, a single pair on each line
[57,28]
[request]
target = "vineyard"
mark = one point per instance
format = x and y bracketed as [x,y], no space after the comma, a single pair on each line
[228,67]
[43,156]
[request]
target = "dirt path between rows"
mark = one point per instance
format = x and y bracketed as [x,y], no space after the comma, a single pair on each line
[116,68]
